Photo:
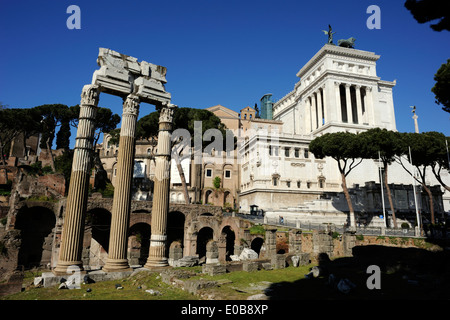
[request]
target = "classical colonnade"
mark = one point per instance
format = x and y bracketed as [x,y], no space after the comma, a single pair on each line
[143,82]
[353,105]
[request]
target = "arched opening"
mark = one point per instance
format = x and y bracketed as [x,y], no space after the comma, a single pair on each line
[203,237]
[208,197]
[227,199]
[139,243]
[230,237]
[175,228]
[99,222]
[36,225]
[257,244]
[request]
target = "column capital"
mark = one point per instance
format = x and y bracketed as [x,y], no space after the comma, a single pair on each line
[131,105]
[166,112]
[368,88]
[357,86]
[90,94]
[347,85]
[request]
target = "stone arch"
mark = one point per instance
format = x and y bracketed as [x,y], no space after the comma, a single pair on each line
[208,196]
[37,226]
[228,236]
[139,243]
[228,198]
[99,219]
[205,235]
[257,244]
[175,227]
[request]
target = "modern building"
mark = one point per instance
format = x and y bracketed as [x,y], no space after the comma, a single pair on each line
[338,90]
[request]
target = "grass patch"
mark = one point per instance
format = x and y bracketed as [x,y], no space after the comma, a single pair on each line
[133,289]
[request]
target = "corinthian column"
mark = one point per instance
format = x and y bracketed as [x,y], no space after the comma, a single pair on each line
[157,253]
[358,104]
[348,102]
[72,234]
[120,215]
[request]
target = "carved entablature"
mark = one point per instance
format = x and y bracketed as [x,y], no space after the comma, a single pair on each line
[122,75]
[90,94]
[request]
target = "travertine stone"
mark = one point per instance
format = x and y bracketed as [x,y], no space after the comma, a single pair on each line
[120,215]
[122,75]
[157,253]
[72,234]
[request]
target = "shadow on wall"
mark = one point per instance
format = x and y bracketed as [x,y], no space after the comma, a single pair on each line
[405,273]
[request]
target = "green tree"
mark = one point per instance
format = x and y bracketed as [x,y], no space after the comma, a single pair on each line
[441,89]
[440,158]
[345,148]
[10,128]
[423,152]
[105,121]
[384,145]
[52,117]
[147,128]
[63,135]
[430,10]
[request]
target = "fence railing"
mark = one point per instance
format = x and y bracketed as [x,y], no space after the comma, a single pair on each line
[329,227]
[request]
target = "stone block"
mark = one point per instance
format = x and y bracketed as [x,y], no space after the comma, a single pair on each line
[250,266]
[267,266]
[248,254]
[213,269]
[278,261]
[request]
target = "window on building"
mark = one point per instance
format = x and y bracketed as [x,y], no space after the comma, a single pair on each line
[275,181]
[228,174]
[308,185]
[321,183]
[306,153]
[288,184]
[298,184]
[209,173]
[270,150]
[297,152]
[287,151]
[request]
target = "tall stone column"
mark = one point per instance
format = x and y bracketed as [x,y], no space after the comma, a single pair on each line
[72,234]
[319,108]
[348,102]
[307,116]
[358,104]
[314,112]
[369,106]
[157,253]
[338,102]
[120,216]
[325,104]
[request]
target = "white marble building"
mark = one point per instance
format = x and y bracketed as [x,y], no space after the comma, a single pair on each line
[338,90]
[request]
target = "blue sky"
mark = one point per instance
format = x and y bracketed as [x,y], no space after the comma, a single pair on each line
[216,52]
